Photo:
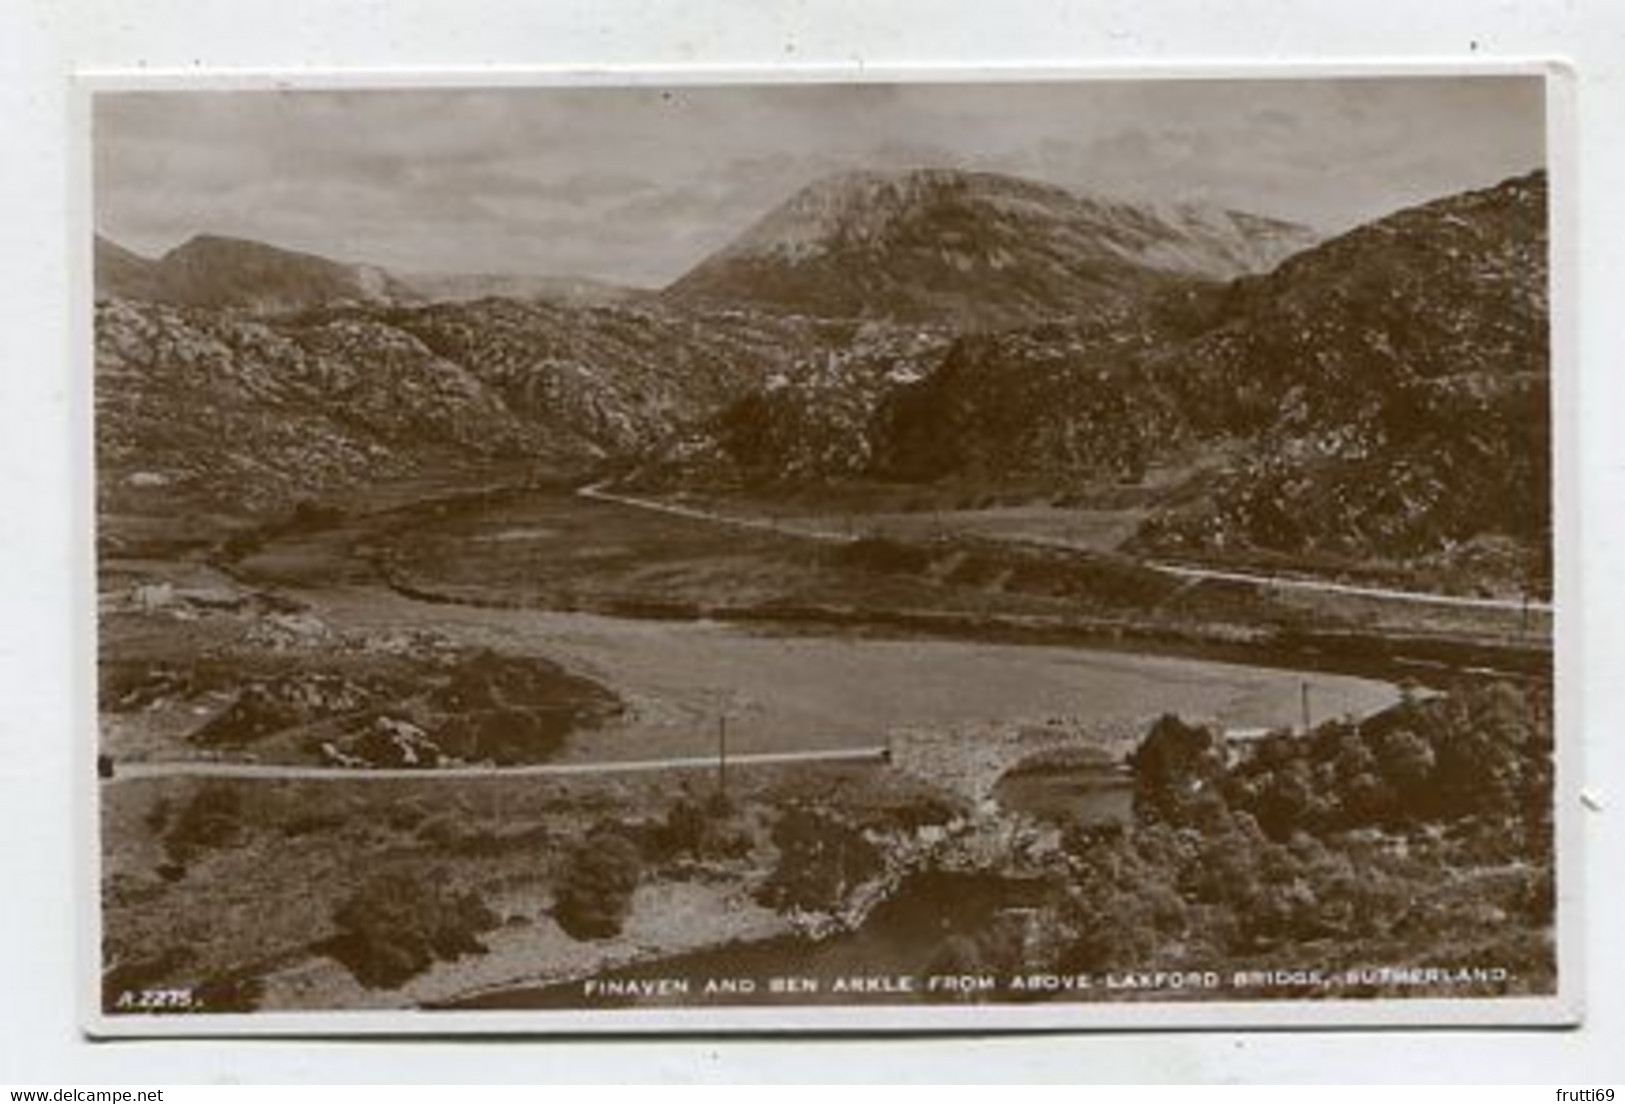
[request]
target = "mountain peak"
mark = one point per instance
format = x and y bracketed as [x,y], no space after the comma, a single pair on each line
[208,240]
[228,249]
[972,249]
[860,206]
[122,273]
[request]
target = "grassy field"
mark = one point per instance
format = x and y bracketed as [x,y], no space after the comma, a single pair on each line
[554,550]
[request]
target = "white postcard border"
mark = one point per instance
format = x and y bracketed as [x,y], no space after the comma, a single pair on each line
[1571,751]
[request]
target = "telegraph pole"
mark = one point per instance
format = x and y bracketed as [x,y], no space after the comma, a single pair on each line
[1304,689]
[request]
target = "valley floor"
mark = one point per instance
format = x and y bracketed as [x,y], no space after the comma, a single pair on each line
[346,670]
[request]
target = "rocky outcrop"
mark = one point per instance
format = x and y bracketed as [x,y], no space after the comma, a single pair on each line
[1394,384]
[258,413]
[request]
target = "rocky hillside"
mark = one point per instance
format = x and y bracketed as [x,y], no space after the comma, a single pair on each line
[626,378]
[1064,402]
[1067,404]
[235,274]
[259,412]
[1394,382]
[1382,395]
[973,250]
[245,412]
[811,419]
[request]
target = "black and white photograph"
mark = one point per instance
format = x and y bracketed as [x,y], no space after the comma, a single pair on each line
[966,553]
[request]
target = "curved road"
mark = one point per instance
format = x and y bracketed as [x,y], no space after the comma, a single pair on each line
[200,768]
[597,493]
[1293,582]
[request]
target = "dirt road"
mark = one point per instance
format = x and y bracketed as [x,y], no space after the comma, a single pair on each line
[1183,571]
[1292,582]
[287,772]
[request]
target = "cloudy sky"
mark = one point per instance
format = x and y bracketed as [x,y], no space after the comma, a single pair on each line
[635,185]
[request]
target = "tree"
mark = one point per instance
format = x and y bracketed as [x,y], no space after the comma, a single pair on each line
[394,926]
[1368,798]
[700,831]
[821,860]
[1483,741]
[1227,867]
[1288,799]
[1174,764]
[1407,761]
[1121,907]
[594,894]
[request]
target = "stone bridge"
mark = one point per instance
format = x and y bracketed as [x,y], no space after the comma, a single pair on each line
[970,758]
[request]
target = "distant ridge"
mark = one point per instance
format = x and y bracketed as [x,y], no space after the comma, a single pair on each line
[234,273]
[245,275]
[462,287]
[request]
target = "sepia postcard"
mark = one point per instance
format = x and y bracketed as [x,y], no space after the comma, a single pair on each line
[945,550]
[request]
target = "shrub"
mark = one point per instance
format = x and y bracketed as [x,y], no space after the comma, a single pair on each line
[1482,751]
[1173,766]
[595,892]
[1430,822]
[682,830]
[514,709]
[395,926]
[706,830]
[257,712]
[211,819]
[1121,906]
[1488,746]
[821,859]
[504,735]
[1407,761]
